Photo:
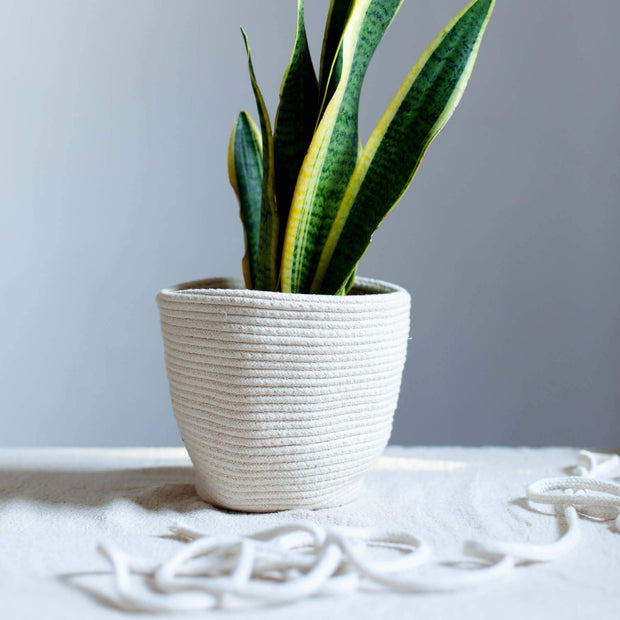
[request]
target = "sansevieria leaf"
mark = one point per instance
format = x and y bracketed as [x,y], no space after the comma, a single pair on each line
[266,277]
[339,11]
[296,118]
[422,106]
[333,152]
[348,285]
[245,171]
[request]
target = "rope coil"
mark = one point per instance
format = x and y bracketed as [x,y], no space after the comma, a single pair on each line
[303,559]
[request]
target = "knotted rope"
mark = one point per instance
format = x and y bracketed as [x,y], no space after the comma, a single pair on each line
[303,559]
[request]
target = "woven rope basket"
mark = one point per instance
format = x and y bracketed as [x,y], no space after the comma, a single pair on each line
[283,401]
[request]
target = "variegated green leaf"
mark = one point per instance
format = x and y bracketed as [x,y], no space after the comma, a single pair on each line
[245,171]
[296,118]
[348,285]
[329,73]
[266,278]
[422,106]
[333,152]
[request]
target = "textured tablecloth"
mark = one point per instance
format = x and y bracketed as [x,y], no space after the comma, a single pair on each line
[57,504]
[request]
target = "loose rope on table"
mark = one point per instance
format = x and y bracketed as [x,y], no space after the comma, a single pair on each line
[303,559]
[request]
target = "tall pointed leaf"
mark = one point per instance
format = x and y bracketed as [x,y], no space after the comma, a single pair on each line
[245,171]
[267,262]
[295,120]
[348,285]
[422,106]
[339,11]
[333,152]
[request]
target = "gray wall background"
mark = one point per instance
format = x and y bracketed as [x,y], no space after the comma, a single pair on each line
[114,122]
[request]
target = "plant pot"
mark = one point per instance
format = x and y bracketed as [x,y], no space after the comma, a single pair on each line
[283,400]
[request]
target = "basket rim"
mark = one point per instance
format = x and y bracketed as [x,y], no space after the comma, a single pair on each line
[364,288]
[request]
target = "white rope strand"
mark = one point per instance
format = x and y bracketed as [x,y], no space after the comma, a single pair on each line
[523,552]
[298,560]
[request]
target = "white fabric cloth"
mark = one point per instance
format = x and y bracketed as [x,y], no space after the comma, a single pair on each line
[56,506]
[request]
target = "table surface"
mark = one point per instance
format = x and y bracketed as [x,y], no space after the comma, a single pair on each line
[57,504]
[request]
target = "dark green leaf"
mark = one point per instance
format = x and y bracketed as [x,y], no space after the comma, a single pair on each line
[267,262]
[245,171]
[331,65]
[333,152]
[422,106]
[295,120]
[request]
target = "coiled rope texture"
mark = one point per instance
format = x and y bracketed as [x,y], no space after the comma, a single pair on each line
[283,401]
[303,559]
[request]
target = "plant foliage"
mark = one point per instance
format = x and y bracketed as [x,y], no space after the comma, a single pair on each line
[310,195]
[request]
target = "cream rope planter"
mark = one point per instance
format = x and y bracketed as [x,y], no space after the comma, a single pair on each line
[283,401]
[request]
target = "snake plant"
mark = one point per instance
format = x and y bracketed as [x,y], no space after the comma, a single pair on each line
[310,194]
